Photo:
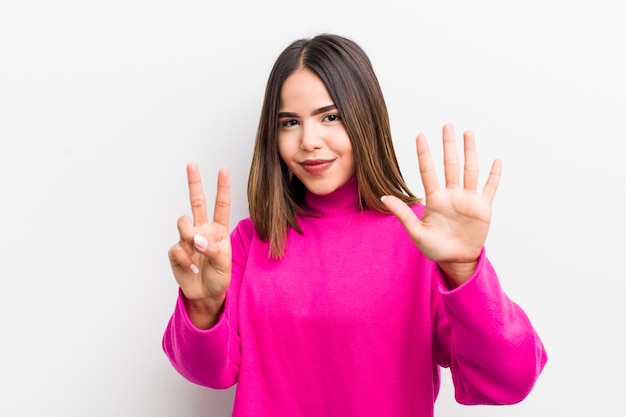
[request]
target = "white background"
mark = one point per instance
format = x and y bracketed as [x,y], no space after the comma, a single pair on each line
[103,103]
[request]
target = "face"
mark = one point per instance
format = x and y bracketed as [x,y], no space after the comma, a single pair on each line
[312,139]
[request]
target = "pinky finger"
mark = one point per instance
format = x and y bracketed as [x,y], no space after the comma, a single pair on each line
[491,186]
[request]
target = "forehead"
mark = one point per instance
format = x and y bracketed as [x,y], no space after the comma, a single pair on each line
[304,90]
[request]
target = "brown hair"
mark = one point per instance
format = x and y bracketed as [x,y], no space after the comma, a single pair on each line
[274,194]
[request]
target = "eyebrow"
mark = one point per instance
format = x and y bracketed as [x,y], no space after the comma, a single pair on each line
[314,113]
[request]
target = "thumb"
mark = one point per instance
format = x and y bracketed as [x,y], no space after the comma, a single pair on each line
[402,212]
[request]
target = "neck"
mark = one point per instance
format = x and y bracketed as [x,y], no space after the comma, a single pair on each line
[344,199]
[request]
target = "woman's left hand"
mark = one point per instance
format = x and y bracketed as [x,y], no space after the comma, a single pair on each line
[454,227]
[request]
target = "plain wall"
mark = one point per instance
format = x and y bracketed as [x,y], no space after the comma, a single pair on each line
[103,103]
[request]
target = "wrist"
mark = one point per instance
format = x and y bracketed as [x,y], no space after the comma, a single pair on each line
[204,313]
[458,273]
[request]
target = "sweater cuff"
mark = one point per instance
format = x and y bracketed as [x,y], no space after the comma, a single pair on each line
[182,311]
[443,281]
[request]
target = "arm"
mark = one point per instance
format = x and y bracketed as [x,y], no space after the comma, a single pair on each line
[206,357]
[494,354]
[201,338]
[486,339]
[212,357]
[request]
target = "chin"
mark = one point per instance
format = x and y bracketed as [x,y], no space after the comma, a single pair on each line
[324,189]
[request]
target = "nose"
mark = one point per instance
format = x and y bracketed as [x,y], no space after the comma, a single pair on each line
[310,139]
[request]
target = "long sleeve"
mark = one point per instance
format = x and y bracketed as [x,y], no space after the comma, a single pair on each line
[354,320]
[205,357]
[494,354]
[210,357]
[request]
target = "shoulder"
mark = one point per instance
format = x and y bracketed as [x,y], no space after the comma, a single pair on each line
[244,230]
[242,239]
[243,234]
[418,209]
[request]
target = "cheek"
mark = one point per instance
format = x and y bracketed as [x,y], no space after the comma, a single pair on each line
[348,155]
[342,140]
[285,150]
[352,164]
[345,147]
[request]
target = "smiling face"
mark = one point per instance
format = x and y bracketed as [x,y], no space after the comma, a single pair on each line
[312,139]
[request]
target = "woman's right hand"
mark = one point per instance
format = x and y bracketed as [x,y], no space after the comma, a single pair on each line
[202,258]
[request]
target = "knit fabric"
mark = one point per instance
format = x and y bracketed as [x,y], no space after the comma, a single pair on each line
[354,321]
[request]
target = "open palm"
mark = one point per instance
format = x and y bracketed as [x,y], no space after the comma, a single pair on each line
[455,223]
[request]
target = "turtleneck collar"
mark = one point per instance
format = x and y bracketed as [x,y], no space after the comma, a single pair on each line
[344,199]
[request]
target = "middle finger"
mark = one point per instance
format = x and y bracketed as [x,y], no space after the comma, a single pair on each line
[450,157]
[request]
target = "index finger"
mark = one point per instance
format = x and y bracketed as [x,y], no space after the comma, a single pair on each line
[426,166]
[196,195]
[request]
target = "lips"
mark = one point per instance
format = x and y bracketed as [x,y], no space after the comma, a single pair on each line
[316,166]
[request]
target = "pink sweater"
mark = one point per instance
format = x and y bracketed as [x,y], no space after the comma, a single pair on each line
[354,321]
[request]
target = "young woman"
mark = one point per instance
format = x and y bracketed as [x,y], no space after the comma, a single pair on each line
[342,294]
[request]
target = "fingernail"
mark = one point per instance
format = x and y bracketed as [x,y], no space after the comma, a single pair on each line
[200,242]
[194,268]
[383,198]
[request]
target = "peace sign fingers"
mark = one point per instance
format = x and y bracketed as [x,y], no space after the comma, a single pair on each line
[202,260]
[197,199]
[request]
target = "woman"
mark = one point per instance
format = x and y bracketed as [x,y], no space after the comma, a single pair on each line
[342,294]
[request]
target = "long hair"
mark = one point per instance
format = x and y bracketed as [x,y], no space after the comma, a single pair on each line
[274,193]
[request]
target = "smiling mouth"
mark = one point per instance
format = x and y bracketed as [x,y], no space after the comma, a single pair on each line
[316,166]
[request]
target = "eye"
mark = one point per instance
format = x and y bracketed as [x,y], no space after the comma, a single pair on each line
[332,117]
[287,123]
